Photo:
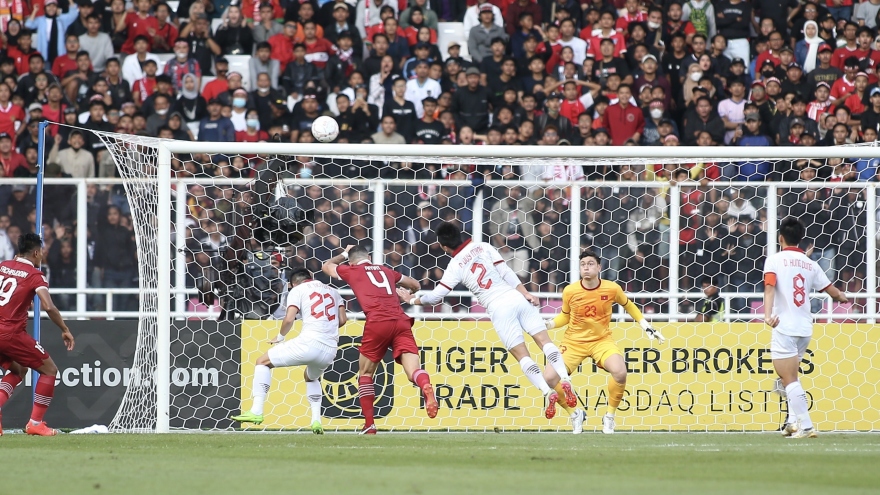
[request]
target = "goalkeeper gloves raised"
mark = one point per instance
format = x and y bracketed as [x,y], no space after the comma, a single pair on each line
[652,334]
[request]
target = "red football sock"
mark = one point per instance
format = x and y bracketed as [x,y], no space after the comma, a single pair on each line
[367,395]
[7,385]
[421,378]
[43,397]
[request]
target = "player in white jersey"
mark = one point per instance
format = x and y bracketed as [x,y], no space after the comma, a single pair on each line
[511,308]
[323,314]
[789,277]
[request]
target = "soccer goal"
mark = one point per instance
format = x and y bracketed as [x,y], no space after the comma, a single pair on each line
[218,224]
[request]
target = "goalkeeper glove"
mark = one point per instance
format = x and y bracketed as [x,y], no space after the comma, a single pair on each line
[652,334]
[550,324]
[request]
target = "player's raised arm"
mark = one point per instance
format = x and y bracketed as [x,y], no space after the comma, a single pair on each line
[55,315]
[564,316]
[329,266]
[409,283]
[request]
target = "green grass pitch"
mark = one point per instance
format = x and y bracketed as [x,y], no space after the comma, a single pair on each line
[484,463]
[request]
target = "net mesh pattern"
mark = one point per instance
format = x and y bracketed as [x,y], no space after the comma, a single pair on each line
[234,276]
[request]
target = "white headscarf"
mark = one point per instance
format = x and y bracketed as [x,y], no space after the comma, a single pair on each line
[812,47]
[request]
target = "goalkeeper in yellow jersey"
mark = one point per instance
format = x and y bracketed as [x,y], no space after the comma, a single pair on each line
[586,309]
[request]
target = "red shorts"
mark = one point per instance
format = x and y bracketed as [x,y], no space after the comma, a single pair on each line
[380,335]
[21,348]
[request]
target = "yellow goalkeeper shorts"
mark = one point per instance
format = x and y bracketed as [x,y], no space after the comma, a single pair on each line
[574,353]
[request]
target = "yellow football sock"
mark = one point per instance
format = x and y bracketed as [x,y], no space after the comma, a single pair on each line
[615,394]
[561,399]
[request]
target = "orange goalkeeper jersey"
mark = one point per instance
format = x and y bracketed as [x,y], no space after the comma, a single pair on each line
[589,311]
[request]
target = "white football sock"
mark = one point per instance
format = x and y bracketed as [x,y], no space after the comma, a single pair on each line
[533,373]
[797,404]
[314,393]
[554,357]
[260,388]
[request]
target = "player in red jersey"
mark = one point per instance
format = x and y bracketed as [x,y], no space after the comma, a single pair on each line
[387,326]
[20,279]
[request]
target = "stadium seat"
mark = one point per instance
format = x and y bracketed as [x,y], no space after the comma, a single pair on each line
[163,59]
[194,127]
[452,31]
[205,81]
[242,65]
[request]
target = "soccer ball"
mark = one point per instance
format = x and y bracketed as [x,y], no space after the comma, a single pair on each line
[325,129]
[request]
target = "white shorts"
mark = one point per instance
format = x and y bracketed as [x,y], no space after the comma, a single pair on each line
[514,316]
[315,356]
[786,346]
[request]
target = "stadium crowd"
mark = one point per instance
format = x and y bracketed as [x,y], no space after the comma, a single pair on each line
[551,73]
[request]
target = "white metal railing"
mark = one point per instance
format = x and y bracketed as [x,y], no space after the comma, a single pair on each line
[181,295]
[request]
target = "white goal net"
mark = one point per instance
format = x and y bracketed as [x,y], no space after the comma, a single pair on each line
[684,231]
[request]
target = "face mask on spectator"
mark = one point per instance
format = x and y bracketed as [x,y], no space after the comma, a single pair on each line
[653,25]
[239,102]
[656,113]
[696,76]
[162,111]
[182,55]
[305,172]
[255,123]
[263,90]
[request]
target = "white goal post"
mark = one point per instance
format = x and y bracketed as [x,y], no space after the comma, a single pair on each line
[152,161]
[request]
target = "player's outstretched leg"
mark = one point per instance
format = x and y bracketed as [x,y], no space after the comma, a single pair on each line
[367,394]
[616,386]
[533,373]
[554,357]
[259,390]
[42,399]
[314,394]
[8,384]
[413,369]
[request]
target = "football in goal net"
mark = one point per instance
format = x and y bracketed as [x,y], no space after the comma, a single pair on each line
[684,232]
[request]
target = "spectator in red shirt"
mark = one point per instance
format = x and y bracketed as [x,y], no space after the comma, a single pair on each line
[318,50]
[165,33]
[282,44]
[9,159]
[219,85]
[252,132]
[146,86]
[624,121]
[518,7]
[67,63]
[22,52]
[139,23]
[11,115]
[846,85]
[634,13]
[572,106]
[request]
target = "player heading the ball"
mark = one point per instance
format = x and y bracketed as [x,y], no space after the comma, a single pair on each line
[511,308]
[323,315]
[20,280]
[386,326]
[587,308]
[789,276]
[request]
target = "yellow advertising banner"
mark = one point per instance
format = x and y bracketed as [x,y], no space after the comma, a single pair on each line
[707,376]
